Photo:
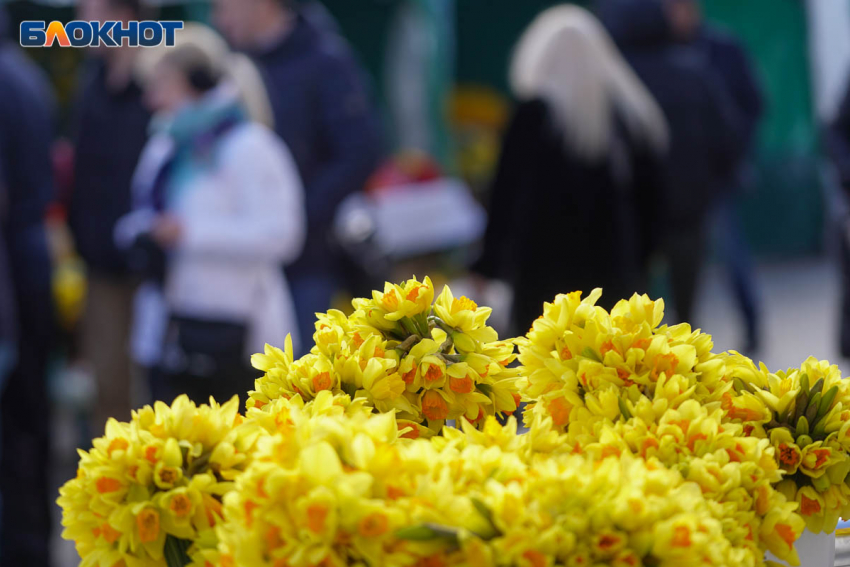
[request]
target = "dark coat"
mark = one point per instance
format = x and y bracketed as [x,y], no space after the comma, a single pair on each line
[838,141]
[705,134]
[559,224]
[323,113]
[729,59]
[26,134]
[110,132]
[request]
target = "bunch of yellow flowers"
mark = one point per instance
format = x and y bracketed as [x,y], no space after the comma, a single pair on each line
[341,488]
[149,492]
[644,448]
[657,392]
[428,361]
[805,415]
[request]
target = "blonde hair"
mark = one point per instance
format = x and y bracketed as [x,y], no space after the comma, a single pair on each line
[198,44]
[568,60]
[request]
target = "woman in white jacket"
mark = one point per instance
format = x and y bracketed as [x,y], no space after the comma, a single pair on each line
[219,212]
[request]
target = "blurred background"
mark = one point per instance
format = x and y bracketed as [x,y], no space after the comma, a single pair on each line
[167,211]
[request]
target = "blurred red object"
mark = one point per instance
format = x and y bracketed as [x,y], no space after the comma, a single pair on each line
[406,168]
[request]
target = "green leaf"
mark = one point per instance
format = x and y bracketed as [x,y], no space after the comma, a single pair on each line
[804,384]
[426,532]
[802,426]
[826,402]
[176,552]
[485,389]
[624,408]
[591,354]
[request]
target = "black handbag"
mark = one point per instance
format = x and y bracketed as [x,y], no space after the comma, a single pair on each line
[204,349]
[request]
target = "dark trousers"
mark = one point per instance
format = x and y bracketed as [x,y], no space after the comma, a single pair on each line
[25,421]
[735,255]
[685,252]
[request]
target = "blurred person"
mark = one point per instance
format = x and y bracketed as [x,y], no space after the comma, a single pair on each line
[219,207]
[837,139]
[323,113]
[26,187]
[730,60]
[110,130]
[704,141]
[584,147]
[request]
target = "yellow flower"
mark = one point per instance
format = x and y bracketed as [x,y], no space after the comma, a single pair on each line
[162,474]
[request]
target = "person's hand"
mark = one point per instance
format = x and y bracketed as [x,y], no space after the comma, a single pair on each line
[167,231]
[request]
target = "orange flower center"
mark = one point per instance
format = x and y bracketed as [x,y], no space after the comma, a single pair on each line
[390,301]
[109,533]
[117,445]
[433,373]
[560,411]
[821,457]
[535,558]
[413,294]
[787,534]
[148,524]
[412,434]
[105,484]
[566,354]
[809,506]
[316,516]
[681,537]
[394,493]
[461,385]
[434,406]
[358,340]
[322,381]
[273,539]
[373,525]
[409,376]
[181,505]
[648,443]
[692,442]
[665,363]
[789,456]
[168,475]
[463,303]
[150,454]
[606,347]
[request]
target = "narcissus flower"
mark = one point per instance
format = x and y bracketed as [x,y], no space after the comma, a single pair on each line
[395,348]
[160,477]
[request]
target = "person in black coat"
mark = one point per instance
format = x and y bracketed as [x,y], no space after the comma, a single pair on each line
[728,57]
[26,133]
[579,160]
[837,138]
[110,130]
[705,139]
[323,112]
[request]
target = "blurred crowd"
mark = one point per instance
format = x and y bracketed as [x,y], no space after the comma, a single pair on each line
[203,183]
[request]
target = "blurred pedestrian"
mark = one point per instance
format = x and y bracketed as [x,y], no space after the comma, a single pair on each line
[26,132]
[730,60]
[323,112]
[219,207]
[704,142]
[583,149]
[838,145]
[110,130]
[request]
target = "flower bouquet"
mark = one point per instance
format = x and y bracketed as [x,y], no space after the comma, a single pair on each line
[382,447]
